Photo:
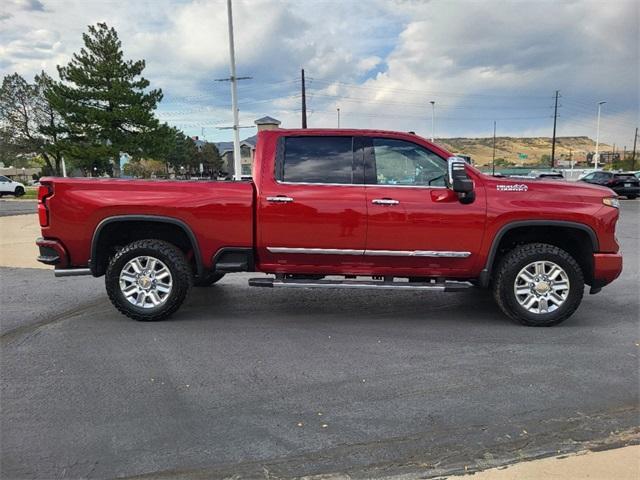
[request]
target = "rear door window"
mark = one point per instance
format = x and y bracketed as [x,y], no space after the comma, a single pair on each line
[318,160]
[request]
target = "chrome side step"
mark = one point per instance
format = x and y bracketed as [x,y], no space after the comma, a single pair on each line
[442,286]
[71,272]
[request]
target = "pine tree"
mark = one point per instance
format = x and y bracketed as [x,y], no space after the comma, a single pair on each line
[105,104]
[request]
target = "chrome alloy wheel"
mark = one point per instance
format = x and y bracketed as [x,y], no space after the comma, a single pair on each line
[541,287]
[146,282]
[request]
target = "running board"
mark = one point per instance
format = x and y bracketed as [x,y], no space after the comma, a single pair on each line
[443,286]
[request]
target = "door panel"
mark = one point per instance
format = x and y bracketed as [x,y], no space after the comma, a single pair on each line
[415,227]
[306,224]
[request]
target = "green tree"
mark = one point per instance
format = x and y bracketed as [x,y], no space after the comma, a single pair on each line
[105,103]
[30,125]
[181,152]
[502,162]
[146,168]
[210,158]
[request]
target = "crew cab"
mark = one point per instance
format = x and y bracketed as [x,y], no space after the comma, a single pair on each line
[337,209]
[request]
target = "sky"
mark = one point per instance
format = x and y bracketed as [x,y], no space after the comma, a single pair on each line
[381,62]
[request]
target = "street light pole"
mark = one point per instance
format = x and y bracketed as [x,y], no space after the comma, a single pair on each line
[237,165]
[338,117]
[493,161]
[433,120]
[598,135]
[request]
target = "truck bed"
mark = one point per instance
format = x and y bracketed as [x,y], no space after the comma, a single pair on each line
[219,213]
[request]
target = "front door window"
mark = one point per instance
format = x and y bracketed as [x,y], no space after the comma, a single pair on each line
[403,163]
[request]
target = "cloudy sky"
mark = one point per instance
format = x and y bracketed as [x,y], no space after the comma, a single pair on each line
[380,61]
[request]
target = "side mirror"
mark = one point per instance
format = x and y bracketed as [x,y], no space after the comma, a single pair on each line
[459,181]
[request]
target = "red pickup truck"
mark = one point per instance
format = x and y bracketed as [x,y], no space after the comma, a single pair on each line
[337,209]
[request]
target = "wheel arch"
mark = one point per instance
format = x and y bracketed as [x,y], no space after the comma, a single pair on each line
[536,228]
[99,248]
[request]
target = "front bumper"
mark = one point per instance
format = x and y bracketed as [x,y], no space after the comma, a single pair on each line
[606,268]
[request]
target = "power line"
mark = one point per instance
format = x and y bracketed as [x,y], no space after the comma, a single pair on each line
[425,92]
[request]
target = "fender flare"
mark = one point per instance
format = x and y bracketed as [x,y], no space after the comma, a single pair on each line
[145,218]
[485,274]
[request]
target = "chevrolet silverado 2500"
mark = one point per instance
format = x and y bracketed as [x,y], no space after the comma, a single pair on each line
[376,209]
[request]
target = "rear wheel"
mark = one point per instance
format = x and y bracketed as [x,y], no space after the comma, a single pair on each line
[538,285]
[148,280]
[208,279]
[632,197]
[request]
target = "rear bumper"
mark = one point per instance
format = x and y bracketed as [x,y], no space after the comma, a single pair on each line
[52,252]
[606,268]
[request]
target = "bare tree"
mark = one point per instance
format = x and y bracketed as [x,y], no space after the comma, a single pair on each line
[29,125]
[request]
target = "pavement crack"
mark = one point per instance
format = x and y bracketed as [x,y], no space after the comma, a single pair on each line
[33,329]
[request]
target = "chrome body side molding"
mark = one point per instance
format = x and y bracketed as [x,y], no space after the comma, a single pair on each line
[315,251]
[418,253]
[385,253]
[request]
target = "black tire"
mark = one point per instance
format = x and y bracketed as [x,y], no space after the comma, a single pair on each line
[19,191]
[632,197]
[207,280]
[175,261]
[514,261]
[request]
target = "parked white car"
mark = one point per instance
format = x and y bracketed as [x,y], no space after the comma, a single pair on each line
[9,187]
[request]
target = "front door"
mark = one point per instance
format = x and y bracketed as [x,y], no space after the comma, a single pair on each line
[417,226]
[312,210]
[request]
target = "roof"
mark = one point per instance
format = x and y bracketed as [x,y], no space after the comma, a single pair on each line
[224,147]
[267,120]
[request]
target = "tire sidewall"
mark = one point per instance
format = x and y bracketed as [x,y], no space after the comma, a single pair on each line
[19,191]
[112,280]
[576,285]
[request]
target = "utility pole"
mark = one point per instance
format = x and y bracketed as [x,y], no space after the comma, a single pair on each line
[598,135]
[633,155]
[613,154]
[433,120]
[237,165]
[493,162]
[304,102]
[553,141]
[338,117]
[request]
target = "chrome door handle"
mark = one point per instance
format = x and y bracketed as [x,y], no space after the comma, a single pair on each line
[385,201]
[280,199]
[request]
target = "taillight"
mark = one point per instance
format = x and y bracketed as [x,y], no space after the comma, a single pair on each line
[611,182]
[44,192]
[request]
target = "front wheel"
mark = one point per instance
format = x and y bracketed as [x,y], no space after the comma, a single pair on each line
[538,285]
[632,197]
[19,191]
[148,280]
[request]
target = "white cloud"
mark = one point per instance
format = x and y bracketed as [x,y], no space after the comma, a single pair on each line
[379,61]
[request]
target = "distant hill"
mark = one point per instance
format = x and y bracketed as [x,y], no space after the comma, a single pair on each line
[510,148]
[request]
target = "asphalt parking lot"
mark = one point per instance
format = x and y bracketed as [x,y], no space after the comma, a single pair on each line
[267,384]
[17,207]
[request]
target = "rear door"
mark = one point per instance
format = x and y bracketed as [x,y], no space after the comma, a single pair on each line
[311,208]
[417,226]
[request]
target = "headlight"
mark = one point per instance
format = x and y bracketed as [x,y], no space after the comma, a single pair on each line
[611,202]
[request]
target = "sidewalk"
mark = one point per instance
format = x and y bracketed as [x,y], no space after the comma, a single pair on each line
[618,464]
[18,235]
